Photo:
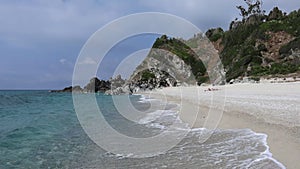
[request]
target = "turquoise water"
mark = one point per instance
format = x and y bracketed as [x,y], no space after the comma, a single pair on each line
[39,129]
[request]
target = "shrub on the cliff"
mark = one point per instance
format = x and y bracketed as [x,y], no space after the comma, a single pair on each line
[293,45]
[262,48]
[275,68]
[147,75]
[214,34]
[202,79]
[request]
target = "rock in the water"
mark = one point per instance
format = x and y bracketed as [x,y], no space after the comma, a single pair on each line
[69,89]
[96,85]
[116,82]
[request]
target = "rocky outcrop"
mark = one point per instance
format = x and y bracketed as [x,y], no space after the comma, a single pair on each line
[116,82]
[69,89]
[254,19]
[147,79]
[150,79]
[176,62]
[273,44]
[162,65]
[117,86]
[96,85]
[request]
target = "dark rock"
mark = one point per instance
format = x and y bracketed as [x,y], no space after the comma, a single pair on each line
[96,85]
[77,89]
[69,89]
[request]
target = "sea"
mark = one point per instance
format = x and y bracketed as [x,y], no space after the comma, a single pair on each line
[39,129]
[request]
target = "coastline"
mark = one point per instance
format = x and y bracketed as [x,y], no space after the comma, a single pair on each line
[270,108]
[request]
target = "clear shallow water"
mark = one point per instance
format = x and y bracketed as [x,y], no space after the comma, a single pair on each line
[40,130]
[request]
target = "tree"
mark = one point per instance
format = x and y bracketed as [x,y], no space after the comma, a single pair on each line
[275,14]
[253,8]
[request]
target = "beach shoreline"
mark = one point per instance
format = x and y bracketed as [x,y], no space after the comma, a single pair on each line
[270,108]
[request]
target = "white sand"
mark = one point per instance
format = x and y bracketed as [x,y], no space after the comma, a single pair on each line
[271,108]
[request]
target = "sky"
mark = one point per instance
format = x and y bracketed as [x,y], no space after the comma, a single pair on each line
[41,40]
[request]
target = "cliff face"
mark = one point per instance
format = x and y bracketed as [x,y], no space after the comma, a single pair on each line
[95,85]
[163,64]
[179,62]
[269,46]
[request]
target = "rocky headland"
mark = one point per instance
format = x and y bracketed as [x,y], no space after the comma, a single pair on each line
[257,48]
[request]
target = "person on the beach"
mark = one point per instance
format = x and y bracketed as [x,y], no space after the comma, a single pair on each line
[211,89]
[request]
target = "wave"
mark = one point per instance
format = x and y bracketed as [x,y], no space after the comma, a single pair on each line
[230,148]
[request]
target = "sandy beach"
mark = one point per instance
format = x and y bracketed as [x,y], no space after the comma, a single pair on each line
[270,108]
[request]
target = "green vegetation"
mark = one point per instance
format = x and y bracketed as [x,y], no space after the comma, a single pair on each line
[214,34]
[184,52]
[293,45]
[241,48]
[245,48]
[257,79]
[288,23]
[240,51]
[193,43]
[275,68]
[147,75]
[253,8]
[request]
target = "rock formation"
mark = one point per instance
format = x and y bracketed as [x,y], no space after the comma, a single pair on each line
[69,89]
[257,46]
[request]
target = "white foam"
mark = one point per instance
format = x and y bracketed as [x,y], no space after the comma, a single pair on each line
[151,117]
[157,125]
[144,99]
[151,120]
[266,154]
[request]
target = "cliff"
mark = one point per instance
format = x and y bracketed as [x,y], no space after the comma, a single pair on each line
[173,62]
[263,47]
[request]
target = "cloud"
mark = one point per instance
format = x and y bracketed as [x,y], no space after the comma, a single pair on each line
[87,61]
[62,61]
[211,13]
[35,34]
[204,14]
[58,20]
[52,20]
